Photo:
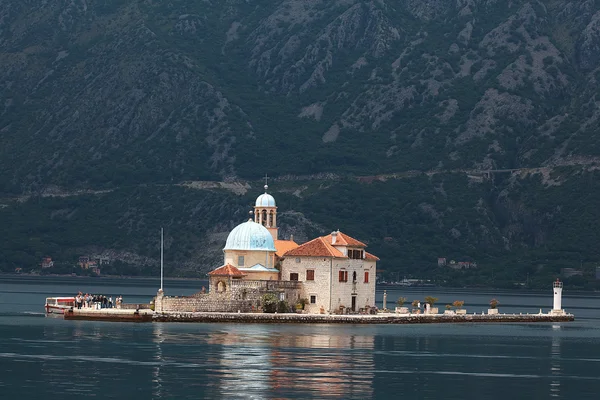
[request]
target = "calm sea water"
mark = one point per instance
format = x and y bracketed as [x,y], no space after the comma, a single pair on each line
[49,358]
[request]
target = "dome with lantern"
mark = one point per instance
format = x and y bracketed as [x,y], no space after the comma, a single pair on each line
[265,199]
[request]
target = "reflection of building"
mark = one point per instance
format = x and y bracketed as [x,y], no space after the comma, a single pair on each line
[555,368]
[341,365]
[327,362]
[328,272]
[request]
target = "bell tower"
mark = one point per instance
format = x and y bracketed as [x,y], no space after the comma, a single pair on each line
[265,211]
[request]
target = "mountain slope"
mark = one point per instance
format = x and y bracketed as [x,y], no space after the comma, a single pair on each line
[113,95]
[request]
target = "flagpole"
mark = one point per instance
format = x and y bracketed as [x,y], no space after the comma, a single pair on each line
[161,259]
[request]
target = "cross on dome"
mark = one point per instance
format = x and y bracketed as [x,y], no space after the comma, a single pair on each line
[266,182]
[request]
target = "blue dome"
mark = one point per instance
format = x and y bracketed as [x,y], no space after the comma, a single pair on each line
[250,236]
[265,200]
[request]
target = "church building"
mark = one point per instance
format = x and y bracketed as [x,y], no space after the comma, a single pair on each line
[332,273]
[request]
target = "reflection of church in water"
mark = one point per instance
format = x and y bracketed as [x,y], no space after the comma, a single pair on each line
[330,272]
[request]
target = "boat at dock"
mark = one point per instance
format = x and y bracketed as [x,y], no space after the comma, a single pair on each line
[58,305]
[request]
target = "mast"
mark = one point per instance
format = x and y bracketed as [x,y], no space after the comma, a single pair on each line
[161,259]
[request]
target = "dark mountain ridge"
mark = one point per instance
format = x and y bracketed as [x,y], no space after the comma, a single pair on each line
[422,96]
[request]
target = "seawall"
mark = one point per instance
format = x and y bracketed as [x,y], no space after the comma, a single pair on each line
[146,315]
[356,319]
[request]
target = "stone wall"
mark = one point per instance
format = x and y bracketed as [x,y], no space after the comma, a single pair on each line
[357,319]
[241,295]
[131,306]
[208,303]
[317,288]
[342,292]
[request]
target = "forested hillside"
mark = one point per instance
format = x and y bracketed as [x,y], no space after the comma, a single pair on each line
[381,118]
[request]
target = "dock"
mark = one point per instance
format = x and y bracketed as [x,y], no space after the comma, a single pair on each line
[147,315]
[109,314]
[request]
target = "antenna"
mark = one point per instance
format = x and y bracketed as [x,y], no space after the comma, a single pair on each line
[161,259]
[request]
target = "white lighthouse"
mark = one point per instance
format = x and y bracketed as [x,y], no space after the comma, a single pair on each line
[557,306]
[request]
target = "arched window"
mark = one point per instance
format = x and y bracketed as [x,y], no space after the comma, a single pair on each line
[354,276]
[221,287]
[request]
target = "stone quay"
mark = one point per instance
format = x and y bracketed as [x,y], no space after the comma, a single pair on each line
[147,315]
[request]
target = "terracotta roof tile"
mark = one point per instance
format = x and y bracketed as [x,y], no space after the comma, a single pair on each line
[316,248]
[344,240]
[226,270]
[371,257]
[283,246]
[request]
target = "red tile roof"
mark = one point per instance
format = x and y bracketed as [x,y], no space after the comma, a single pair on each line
[283,246]
[344,240]
[226,270]
[371,257]
[318,247]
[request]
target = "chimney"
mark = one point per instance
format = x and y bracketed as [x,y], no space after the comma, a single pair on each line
[292,238]
[333,237]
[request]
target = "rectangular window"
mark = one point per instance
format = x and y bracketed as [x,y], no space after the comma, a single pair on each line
[356,254]
[313,299]
[240,261]
[293,276]
[343,276]
[366,276]
[310,275]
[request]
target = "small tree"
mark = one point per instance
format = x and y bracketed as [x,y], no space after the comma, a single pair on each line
[431,300]
[415,303]
[458,304]
[269,303]
[448,306]
[282,307]
[494,303]
[400,302]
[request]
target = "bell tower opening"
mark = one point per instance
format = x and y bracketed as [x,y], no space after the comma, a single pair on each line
[265,211]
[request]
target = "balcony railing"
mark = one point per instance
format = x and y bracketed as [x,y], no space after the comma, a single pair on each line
[268,285]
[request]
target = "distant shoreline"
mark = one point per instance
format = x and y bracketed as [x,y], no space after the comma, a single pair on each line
[29,275]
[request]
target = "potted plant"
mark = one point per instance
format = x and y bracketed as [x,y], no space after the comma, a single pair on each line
[493,304]
[431,301]
[415,305]
[458,304]
[448,309]
[399,303]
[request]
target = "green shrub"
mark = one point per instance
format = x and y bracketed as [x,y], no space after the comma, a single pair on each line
[269,303]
